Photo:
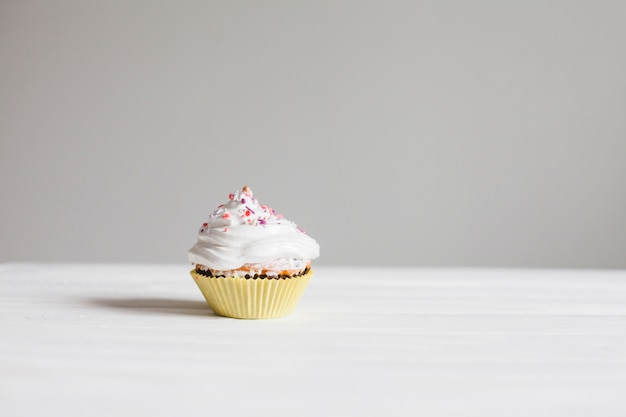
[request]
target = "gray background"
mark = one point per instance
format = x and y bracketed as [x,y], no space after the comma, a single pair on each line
[435,133]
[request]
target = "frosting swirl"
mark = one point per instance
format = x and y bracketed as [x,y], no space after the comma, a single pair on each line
[242,231]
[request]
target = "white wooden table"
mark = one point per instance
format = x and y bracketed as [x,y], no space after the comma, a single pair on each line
[139,340]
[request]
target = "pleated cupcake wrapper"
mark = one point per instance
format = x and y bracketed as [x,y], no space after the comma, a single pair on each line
[260,298]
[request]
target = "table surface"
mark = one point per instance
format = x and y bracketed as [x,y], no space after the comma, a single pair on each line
[103,340]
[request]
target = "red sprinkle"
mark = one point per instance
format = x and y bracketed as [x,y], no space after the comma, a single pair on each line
[247,212]
[226,215]
[231,196]
[205,224]
[226,229]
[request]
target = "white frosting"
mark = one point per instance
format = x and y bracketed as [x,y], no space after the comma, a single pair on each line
[242,231]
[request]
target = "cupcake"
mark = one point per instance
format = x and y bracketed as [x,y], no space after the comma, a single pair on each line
[250,262]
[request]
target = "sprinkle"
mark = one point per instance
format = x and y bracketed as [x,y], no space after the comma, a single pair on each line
[249,209]
[243,201]
[301,231]
[247,213]
[226,215]
[226,229]
[231,196]
[205,224]
[262,221]
[279,216]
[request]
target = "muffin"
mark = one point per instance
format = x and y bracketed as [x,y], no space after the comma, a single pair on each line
[250,262]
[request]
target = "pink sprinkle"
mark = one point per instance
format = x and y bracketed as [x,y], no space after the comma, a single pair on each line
[226,215]
[231,196]
[243,201]
[226,229]
[279,216]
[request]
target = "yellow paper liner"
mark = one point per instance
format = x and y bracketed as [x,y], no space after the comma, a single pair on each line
[260,298]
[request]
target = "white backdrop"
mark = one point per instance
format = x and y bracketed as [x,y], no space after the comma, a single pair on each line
[440,133]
